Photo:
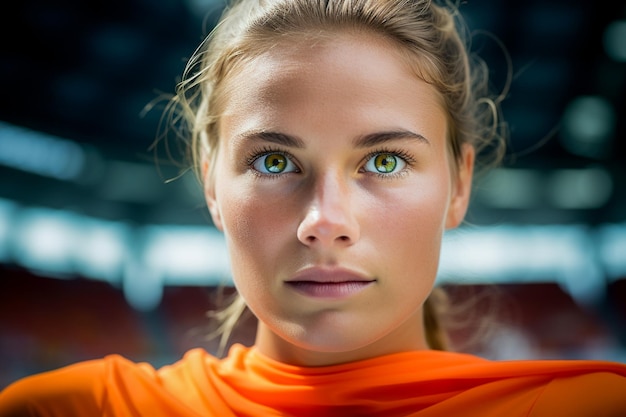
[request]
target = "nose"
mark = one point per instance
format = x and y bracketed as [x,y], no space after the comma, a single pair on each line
[330,219]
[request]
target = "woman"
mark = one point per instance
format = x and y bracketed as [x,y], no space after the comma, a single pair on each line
[336,141]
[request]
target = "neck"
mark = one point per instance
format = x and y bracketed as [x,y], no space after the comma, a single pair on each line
[405,338]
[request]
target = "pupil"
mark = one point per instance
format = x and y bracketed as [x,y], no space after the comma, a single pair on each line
[275,163]
[386,163]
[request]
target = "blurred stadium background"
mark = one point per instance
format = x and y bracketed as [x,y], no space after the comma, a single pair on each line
[100,253]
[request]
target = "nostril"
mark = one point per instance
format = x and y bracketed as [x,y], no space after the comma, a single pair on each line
[344,238]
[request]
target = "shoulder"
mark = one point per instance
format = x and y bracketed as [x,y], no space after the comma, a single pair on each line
[112,385]
[80,389]
[65,391]
[600,392]
[115,385]
[573,388]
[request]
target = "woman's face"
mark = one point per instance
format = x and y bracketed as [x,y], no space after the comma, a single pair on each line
[333,186]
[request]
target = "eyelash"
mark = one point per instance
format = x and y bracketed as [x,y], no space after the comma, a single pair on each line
[405,156]
[266,150]
[255,154]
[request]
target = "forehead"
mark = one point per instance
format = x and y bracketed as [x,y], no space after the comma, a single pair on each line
[335,51]
[340,71]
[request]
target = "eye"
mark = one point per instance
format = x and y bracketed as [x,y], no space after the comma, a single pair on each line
[385,163]
[274,163]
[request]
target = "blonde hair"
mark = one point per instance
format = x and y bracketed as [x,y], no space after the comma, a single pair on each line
[432,38]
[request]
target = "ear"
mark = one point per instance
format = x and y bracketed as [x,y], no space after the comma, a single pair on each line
[209,194]
[461,188]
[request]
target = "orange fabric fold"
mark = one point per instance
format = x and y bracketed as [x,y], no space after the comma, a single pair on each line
[421,384]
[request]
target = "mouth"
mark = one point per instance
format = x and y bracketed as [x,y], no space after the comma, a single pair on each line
[329,282]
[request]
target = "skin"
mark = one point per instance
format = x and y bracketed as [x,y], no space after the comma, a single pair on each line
[318,108]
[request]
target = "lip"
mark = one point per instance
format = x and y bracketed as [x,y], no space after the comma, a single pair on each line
[319,282]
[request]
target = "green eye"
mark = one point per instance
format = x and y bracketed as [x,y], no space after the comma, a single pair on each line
[274,163]
[384,163]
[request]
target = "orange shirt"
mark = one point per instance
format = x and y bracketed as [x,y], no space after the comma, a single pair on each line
[421,384]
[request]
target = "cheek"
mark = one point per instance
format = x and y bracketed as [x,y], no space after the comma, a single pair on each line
[260,236]
[408,231]
[414,212]
[416,236]
[246,223]
[245,239]
[416,230]
[255,224]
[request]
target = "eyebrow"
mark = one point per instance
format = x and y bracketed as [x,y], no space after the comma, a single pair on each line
[364,141]
[274,137]
[373,139]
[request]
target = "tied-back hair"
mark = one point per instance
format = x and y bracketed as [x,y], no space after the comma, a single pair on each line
[431,38]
